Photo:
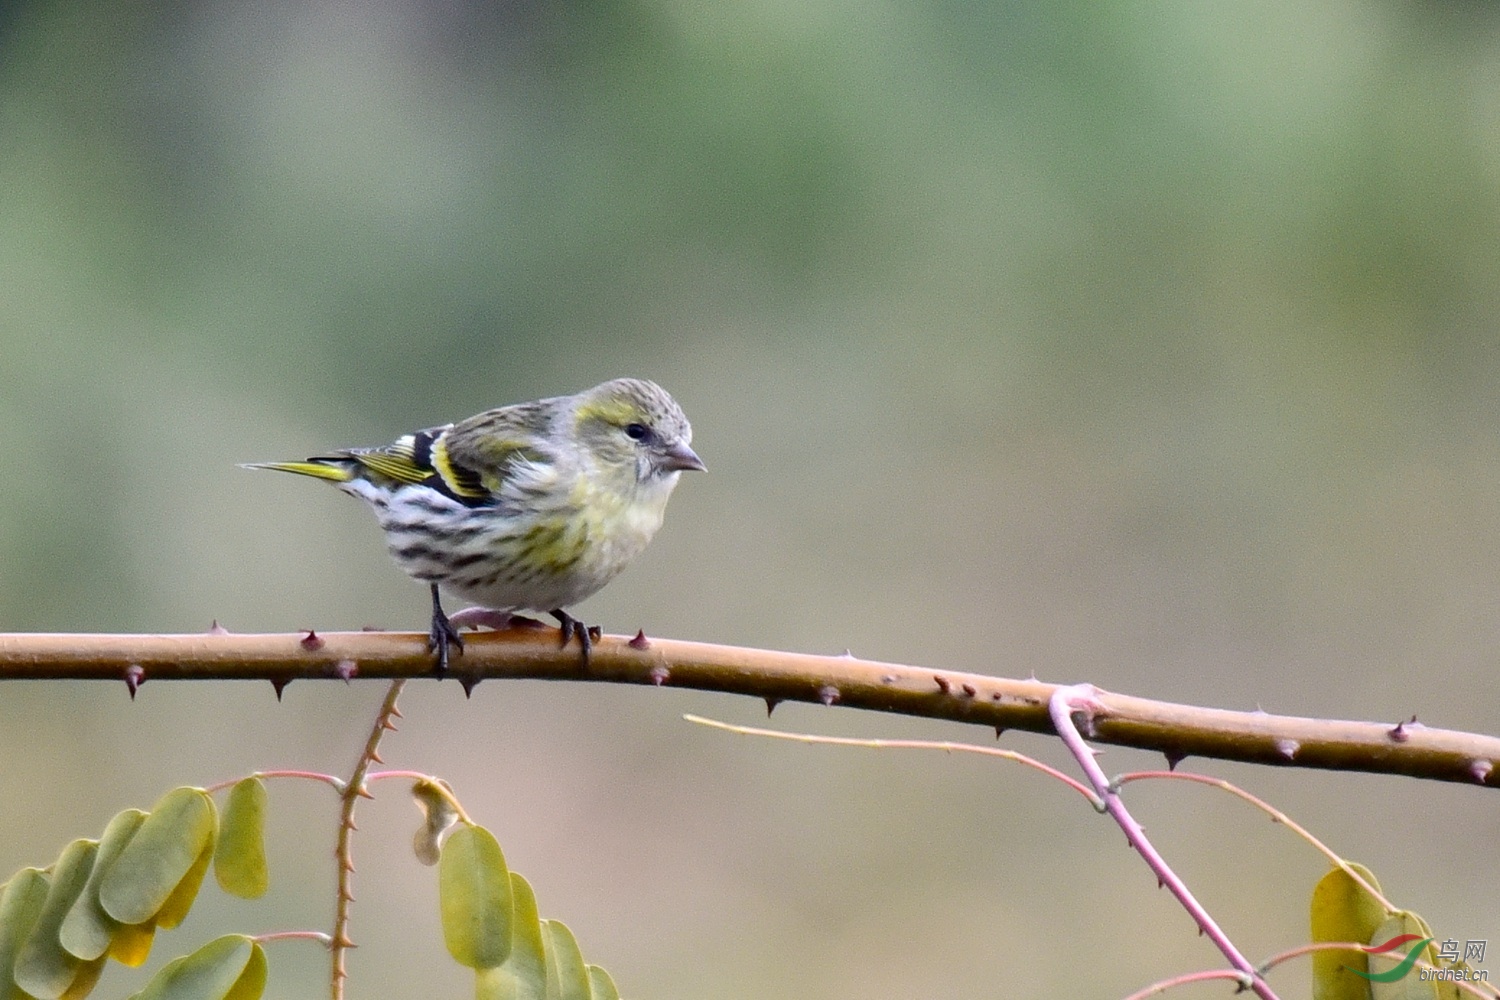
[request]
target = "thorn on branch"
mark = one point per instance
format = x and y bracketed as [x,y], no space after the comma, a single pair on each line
[640,641]
[278,684]
[848,653]
[1398,734]
[828,694]
[344,670]
[887,678]
[311,642]
[659,675]
[469,682]
[1288,748]
[969,690]
[771,704]
[999,731]
[1481,769]
[135,676]
[942,683]
[1173,759]
[217,629]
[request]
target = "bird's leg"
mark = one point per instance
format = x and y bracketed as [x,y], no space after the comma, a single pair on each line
[443,633]
[570,627]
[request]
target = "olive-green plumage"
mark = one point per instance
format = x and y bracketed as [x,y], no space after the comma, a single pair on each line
[535,505]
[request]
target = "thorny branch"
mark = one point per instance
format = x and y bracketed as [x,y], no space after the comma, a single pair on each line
[1176,731]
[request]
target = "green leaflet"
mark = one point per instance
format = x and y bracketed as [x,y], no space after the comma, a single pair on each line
[1409,986]
[1341,910]
[524,974]
[602,984]
[43,969]
[88,977]
[240,856]
[232,967]
[567,976]
[175,910]
[474,896]
[87,930]
[20,905]
[164,862]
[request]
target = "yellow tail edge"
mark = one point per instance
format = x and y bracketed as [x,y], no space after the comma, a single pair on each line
[318,470]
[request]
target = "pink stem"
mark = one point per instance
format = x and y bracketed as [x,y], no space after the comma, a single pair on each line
[1081,698]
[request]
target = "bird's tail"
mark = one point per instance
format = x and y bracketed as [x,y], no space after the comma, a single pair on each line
[335,470]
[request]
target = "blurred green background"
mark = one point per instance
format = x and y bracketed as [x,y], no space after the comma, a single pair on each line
[1146,344]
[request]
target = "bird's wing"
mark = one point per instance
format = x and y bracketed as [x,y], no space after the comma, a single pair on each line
[422,458]
[495,446]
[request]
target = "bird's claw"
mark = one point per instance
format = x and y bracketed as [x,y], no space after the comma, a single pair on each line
[570,627]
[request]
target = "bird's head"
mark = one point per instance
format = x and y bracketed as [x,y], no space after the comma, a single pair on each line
[632,429]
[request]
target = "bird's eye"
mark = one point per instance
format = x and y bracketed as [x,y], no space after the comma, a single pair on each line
[637,432]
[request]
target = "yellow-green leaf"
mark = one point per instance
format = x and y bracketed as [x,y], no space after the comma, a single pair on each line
[524,974]
[1408,983]
[252,982]
[171,842]
[500,983]
[567,977]
[83,984]
[20,905]
[226,968]
[87,930]
[603,986]
[43,968]
[131,945]
[1343,911]
[240,856]
[474,895]
[175,910]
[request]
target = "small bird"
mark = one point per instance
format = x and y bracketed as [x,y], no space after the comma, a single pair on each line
[530,506]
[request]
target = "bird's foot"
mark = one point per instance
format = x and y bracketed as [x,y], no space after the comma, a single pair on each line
[443,635]
[571,627]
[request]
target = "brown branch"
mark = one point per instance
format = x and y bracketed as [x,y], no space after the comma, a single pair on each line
[1177,731]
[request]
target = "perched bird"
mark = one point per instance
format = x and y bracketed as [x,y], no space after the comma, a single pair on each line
[535,505]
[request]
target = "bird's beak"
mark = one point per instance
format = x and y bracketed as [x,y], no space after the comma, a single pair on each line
[680,458]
